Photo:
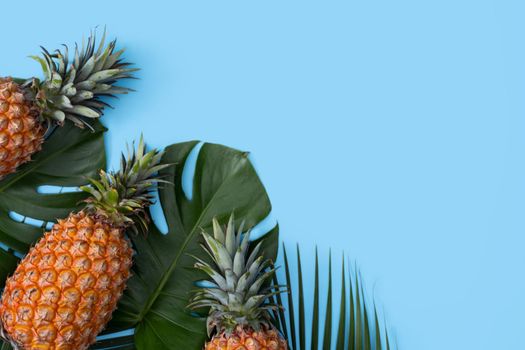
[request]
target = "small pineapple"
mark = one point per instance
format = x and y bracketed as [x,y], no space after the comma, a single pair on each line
[238,299]
[70,91]
[63,292]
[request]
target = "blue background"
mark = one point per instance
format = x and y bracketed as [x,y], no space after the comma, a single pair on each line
[391,129]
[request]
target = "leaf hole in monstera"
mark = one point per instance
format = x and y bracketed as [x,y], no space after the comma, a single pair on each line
[157,215]
[269,222]
[263,227]
[6,248]
[205,284]
[116,334]
[43,189]
[188,173]
[30,221]
[49,189]
[36,222]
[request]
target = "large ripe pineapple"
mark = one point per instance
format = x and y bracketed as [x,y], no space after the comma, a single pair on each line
[69,91]
[63,292]
[238,296]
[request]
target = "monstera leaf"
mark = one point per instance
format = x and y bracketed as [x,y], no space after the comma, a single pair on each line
[68,156]
[155,301]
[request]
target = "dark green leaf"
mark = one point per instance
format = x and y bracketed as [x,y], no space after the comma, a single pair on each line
[315,314]
[367,336]
[156,299]
[291,312]
[302,334]
[342,311]
[6,346]
[280,318]
[357,331]
[120,343]
[377,330]
[7,265]
[352,314]
[67,157]
[358,315]
[327,338]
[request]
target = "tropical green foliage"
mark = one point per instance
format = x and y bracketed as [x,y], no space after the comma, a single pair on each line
[163,277]
[358,325]
[155,301]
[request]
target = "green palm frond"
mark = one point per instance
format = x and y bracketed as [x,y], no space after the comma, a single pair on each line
[359,326]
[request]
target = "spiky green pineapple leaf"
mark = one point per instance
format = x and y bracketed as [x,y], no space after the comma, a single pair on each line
[74,89]
[292,332]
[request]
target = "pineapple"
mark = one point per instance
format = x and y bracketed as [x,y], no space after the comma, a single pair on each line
[63,292]
[69,91]
[239,316]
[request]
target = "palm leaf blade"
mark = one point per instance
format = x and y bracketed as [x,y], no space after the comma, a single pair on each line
[315,314]
[342,312]
[327,338]
[358,324]
[291,311]
[302,326]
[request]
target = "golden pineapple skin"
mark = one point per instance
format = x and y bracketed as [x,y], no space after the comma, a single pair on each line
[21,133]
[247,339]
[64,291]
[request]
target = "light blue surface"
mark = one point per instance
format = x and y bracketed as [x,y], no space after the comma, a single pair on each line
[391,129]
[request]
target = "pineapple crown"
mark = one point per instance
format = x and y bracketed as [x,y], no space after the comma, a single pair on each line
[121,197]
[238,292]
[73,90]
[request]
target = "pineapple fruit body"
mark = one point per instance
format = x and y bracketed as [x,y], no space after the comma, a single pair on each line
[63,292]
[21,133]
[247,339]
